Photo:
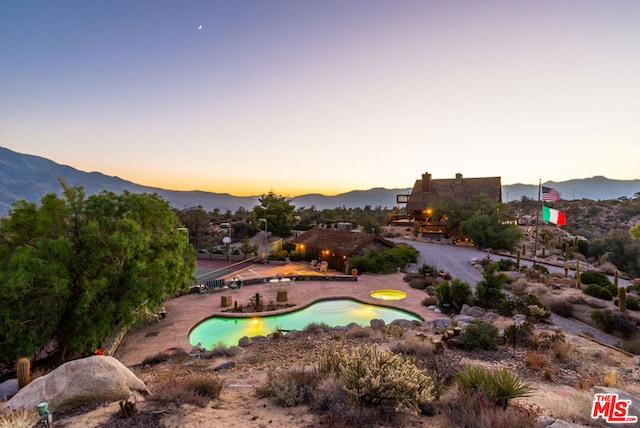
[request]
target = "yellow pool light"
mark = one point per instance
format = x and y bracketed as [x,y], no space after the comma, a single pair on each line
[388,294]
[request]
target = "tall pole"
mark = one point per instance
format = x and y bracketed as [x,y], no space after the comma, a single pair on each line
[538,208]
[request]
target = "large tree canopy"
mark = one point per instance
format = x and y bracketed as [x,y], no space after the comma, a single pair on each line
[277,211]
[74,268]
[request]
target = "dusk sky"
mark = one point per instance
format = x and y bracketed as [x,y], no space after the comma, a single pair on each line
[295,97]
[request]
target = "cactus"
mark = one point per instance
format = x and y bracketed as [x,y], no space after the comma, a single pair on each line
[524,249]
[578,281]
[257,300]
[575,241]
[23,372]
[566,271]
[622,298]
[518,258]
[615,277]
[544,252]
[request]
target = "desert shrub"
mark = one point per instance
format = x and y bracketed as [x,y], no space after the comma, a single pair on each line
[630,346]
[500,386]
[222,350]
[511,306]
[18,418]
[443,293]
[359,333]
[334,408]
[479,335]
[429,270]
[385,261]
[562,307]
[561,350]
[429,300]
[313,326]
[418,283]
[290,388]
[595,277]
[520,334]
[506,265]
[374,378]
[606,320]
[460,293]
[626,325]
[597,291]
[473,409]
[414,347]
[610,322]
[541,269]
[206,386]
[158,358]
[632,303]
[536,360]
[197,390]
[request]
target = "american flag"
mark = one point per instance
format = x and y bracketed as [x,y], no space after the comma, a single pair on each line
[550,194]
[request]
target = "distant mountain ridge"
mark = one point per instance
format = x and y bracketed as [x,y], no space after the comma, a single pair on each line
[30,177]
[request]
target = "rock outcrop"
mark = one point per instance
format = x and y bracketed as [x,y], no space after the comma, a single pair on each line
[96,379]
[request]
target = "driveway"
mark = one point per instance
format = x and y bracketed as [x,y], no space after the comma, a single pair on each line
[456,261]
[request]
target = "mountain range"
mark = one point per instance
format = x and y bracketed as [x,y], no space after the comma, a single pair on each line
[29,177]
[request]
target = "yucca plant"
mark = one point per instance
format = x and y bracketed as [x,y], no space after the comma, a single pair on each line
[499,386]
[507,386]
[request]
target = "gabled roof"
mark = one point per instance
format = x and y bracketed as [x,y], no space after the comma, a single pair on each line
[454,191]
[339,241]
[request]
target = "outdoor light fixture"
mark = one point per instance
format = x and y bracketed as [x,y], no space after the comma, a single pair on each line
[43,408]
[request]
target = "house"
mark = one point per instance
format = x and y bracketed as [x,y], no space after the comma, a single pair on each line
[337,246]
[429,194]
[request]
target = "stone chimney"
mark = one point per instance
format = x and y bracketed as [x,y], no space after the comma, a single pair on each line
[426,182]
[458,178]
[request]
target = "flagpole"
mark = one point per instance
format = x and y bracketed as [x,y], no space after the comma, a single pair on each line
[535,244]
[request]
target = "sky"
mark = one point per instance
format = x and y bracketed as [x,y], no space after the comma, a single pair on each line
[305,96]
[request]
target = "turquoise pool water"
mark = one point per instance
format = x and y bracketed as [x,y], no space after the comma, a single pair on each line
[332,312]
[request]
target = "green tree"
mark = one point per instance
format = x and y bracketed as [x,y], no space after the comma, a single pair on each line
[277,211]
[197,221]
[489,290]
[488,223]
[75,268]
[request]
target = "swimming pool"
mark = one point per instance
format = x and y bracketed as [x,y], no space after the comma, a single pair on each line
[333,312]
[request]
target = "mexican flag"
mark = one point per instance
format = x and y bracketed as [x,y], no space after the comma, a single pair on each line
[553,216]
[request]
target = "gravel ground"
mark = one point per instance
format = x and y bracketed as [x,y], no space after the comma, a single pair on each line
[456,261]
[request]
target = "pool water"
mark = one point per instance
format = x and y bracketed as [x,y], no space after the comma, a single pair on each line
[334,312]
[388,294]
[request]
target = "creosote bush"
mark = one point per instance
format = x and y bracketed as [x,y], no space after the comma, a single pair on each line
[372,377]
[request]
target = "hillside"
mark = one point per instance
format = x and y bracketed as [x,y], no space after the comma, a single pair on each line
[24,176]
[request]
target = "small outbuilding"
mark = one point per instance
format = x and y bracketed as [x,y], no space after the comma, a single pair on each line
[335,247]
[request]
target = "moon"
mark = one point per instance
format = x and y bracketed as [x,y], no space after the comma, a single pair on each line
[199,27]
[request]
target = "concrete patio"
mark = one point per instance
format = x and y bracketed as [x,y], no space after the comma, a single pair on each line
[184,312]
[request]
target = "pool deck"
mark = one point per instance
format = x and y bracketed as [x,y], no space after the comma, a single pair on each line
[185,312]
